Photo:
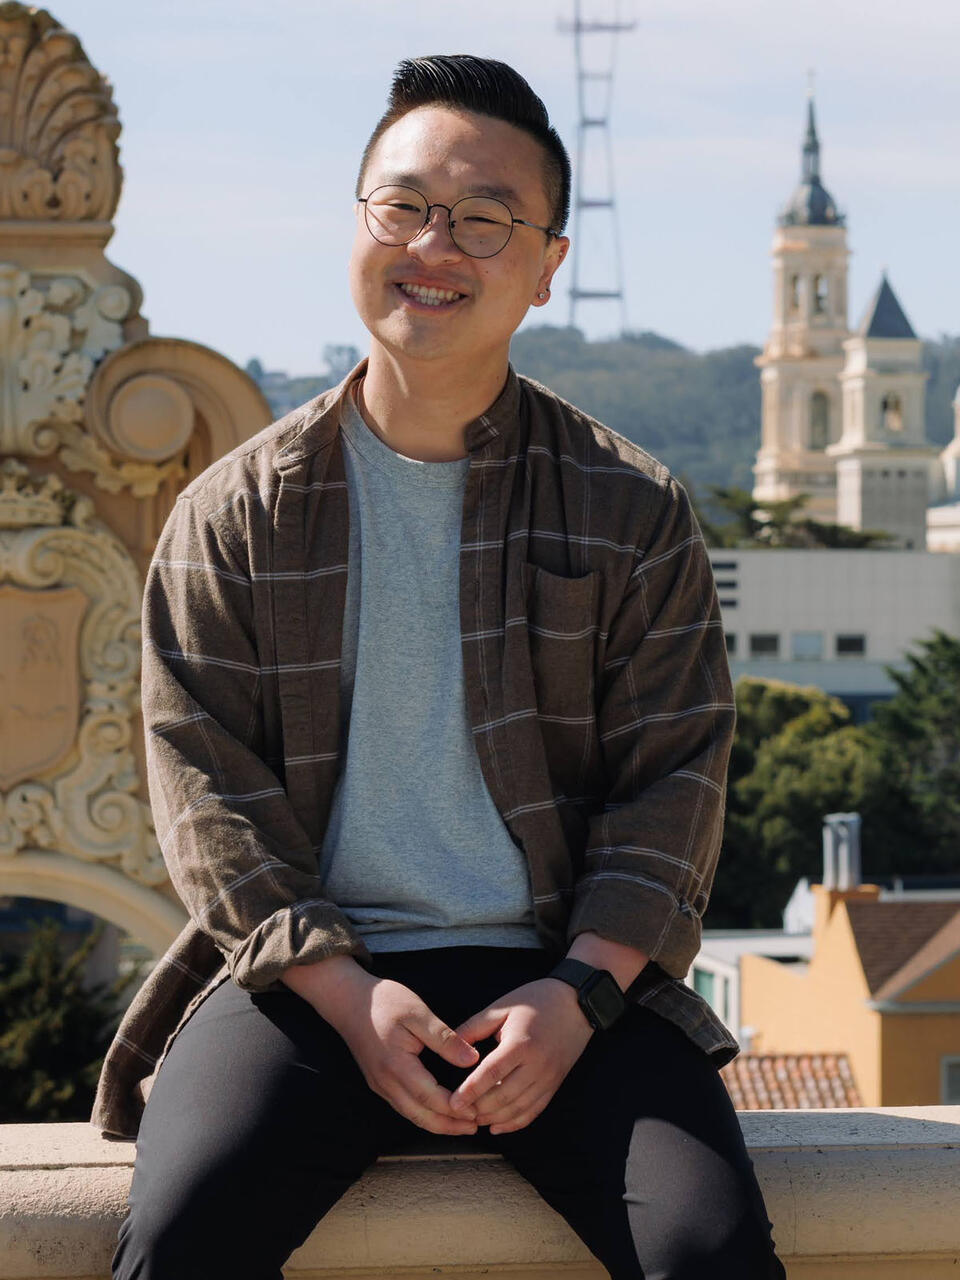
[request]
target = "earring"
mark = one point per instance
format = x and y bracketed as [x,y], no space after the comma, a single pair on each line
[542,295]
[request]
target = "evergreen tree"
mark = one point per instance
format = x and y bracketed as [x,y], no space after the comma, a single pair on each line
[54,1032]
[917,733]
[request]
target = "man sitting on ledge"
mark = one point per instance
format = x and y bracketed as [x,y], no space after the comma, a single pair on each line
[438,717]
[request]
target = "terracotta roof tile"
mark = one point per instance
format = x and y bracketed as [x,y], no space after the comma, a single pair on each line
[761,1081]
[888,934]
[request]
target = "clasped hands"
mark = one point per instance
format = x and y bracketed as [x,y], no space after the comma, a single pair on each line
[540,1032]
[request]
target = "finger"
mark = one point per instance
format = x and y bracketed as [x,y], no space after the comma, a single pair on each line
[495,1104]
[482,1025]
[432,1121]
[497,1065]
[524,1116]
[443,1040]
[423,1091]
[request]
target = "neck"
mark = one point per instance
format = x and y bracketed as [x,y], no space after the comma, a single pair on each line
[421,409]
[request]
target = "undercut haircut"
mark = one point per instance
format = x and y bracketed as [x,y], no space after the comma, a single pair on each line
[489,88]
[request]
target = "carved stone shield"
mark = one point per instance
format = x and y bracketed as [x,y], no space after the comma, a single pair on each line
[39,678]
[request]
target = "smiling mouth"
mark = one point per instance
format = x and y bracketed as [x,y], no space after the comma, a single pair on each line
[430,297]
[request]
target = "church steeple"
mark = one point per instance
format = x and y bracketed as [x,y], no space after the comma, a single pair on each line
[811,148]
[801,411]
[811,204]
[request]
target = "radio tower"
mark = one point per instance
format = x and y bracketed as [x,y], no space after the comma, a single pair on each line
[594,203]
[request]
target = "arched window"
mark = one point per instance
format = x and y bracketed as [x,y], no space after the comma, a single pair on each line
[891,413]
[820,295]
[819,420]
[794,293]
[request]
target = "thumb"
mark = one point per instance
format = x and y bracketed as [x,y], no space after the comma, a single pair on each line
[482,1025]
[443,1040]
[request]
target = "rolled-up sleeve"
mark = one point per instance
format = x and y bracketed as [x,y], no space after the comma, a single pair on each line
[666,722]
[237,854]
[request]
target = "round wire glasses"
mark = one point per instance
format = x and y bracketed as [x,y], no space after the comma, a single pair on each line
[480,226]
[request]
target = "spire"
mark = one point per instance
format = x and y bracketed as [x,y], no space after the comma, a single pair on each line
[811,148]
[811,204]
[884,316]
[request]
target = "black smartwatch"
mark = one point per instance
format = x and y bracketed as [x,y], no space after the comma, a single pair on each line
[598,994]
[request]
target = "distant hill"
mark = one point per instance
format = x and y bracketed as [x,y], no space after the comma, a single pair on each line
[698,414]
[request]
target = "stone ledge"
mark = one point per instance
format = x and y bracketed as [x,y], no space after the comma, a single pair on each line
[866,1194]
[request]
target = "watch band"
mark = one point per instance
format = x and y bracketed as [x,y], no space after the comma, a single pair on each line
[598,993]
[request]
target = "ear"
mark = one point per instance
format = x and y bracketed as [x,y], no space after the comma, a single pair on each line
[555,255]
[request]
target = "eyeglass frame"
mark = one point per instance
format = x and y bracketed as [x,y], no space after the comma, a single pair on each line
[402,186]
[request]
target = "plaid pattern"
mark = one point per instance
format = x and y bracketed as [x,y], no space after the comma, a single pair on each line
[597,685]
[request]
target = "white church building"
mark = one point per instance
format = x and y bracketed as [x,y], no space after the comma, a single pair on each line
[842,420]
[842,414]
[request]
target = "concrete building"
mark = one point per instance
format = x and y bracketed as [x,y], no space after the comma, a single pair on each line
[842,416]
[833,618]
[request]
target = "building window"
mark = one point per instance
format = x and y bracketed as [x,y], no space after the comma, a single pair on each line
[950,1080]
[820,295]
[724,566]
[891,412]
[726,584]
[731,640]
[794,293]
[819,420]
[807,646]
[764,645]
[729,603]
[703,984]
[851,646]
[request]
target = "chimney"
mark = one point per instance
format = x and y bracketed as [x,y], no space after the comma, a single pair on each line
[841,868]
[841,851]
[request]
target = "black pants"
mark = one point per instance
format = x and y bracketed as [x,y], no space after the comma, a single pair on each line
[259,1120]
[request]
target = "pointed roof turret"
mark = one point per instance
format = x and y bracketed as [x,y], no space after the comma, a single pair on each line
[811,204]
[884,316]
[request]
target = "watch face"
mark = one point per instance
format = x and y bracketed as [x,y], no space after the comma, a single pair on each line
[604,999]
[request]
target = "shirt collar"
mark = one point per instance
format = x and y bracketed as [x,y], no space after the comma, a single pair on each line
[494,427]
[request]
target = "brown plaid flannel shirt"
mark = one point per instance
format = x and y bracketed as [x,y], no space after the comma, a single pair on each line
[597,683]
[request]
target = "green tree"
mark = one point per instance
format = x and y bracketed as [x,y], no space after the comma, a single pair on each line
[795,757]
[917,734]
[54,1031]
[750,523]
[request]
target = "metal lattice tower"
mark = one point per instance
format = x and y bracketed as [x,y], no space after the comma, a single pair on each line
[594,201]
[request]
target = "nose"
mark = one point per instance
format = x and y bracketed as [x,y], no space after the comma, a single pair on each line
[433,243]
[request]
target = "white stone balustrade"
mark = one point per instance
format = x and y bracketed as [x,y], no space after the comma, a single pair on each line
[868,1194]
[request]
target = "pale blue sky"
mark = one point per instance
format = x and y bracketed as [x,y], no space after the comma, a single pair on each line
[243,124]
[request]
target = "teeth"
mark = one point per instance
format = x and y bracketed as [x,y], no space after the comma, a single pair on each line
[431,296]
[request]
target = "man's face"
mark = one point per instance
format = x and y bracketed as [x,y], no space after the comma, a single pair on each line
[447,154]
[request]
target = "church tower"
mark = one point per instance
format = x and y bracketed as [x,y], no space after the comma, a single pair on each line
[887,472]
[803,356]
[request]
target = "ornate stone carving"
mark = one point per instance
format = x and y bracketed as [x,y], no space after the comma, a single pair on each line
[53,330]
[58,124]
[73,607]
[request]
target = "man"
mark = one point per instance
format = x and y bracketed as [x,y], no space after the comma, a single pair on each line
[438,716]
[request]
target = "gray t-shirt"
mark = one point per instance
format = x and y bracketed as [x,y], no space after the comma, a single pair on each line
[415,853]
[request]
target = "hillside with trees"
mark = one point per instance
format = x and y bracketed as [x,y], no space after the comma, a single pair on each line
[697,413]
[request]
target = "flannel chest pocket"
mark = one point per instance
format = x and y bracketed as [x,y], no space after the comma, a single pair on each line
[562,628]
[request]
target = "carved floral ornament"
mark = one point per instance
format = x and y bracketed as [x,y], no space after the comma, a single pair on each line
[70,643]
[54,332]
[58,124]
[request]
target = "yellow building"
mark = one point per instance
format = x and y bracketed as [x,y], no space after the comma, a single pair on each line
[882,985]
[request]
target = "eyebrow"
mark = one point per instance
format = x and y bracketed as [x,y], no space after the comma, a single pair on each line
[495,192]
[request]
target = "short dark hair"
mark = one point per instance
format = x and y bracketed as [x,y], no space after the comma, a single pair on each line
[490,88]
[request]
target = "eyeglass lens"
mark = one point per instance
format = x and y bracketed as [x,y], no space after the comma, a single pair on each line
[479,226]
